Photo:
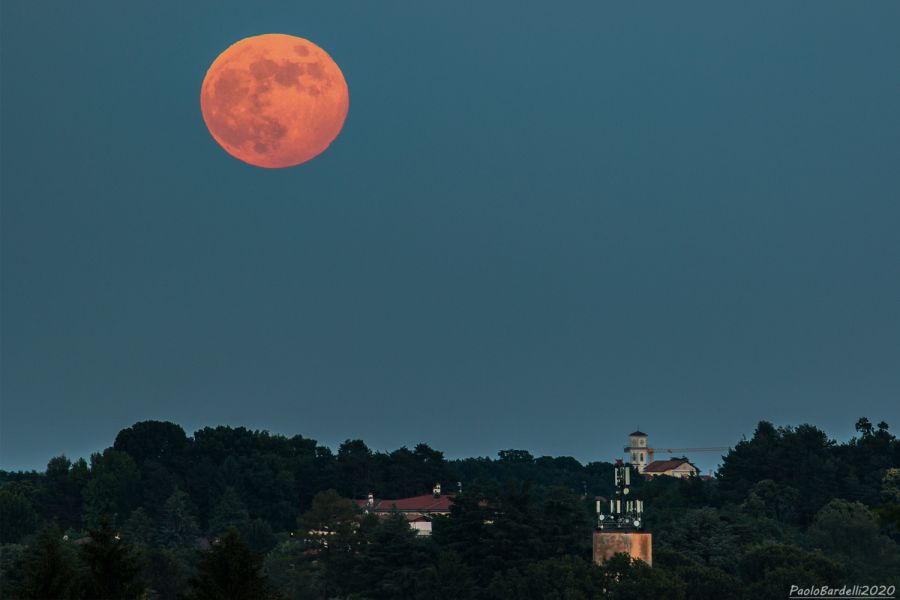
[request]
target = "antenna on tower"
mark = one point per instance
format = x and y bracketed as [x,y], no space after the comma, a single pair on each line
[624,512]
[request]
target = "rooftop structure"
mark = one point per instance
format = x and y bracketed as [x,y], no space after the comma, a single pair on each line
[417,510]
[676,467]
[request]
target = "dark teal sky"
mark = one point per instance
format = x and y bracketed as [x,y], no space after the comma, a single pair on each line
[543,225]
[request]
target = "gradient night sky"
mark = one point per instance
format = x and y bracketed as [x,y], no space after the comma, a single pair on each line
[542,226]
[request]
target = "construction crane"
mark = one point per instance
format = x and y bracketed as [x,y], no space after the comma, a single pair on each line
[670,451]
[641,453]
[652,451]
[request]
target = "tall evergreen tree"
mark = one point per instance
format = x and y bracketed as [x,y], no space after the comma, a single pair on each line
[49,567]
[62,499]
[17,516]
[113,488]
[166,572]
[387,567]
[179,528]
[140,528]
[229,511]
[230,571]
[849,532]
[113,565]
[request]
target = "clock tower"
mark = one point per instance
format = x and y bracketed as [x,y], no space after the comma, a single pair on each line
[638,451]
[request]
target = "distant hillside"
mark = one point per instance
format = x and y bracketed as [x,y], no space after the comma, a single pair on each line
[152,510]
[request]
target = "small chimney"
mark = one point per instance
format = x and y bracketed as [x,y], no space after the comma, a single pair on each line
[370,500]
[437,490]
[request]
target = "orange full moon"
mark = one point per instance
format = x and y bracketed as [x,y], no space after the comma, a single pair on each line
[274,100]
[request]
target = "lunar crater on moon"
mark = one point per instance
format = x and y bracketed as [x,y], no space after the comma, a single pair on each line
[274,100]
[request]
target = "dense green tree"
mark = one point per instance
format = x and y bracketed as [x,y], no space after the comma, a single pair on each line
[330,515]
[112,564]
[566,577]
[449,576]
[229,511]
[167,572]
[113,488]
[388,566]
[492,529]
[407,472]
[670,499]
[701,582]
[17,517]
[561,471]
[289,570]
[273,485]
[564,524]
[157,485]
[469,521]
[889,518]
[49,567]
[334,532]
[178,528]
[867,457]
[357,469]
[309,472]
[162,442]
[890,486]
[10,569]
[261,468]
[770,569]
[140,529]
[516,456]
[230,571]
[802,458]
[258,535]
[771,500]
[850,533]
[705,536]
[628,579]
[202,486]
[231,472]
[161,451]
[62,499]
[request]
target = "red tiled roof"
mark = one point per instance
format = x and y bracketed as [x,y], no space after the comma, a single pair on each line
[425,504]
[660,466]
[418,518]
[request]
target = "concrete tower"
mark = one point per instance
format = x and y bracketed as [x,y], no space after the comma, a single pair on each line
[620,529]
[638,451]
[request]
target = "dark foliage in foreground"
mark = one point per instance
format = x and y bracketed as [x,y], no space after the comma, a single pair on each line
[234,513]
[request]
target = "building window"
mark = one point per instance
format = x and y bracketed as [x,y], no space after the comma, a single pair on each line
[642,457]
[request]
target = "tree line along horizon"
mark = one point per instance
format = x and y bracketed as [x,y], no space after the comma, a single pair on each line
[236,513]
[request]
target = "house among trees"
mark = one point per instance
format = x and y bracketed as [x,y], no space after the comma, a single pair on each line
[676,467]
[417,510]
[640,456]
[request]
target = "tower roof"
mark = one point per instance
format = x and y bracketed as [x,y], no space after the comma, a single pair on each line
[637,433]
[427,503]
